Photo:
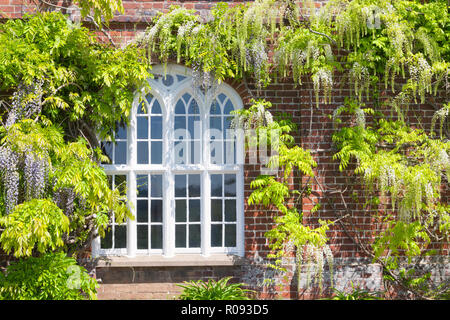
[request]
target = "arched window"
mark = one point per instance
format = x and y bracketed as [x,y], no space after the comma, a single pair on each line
[179,158]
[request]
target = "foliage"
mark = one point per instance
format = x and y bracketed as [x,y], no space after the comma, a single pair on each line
[74,202]
[38,222]
[274,190]
[52,276]
[409,166]
[83,85]
[213,290]
[356,294]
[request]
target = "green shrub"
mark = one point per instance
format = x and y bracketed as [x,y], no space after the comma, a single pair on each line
[53,276]
[214,290]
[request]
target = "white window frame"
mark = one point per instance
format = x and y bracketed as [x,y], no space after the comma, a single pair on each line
[168,96]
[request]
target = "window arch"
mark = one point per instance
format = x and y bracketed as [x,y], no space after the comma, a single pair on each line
[182,170]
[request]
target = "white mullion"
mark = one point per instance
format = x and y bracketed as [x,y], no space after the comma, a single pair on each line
[205,187]
[168,182]
[131,188]
[240,213]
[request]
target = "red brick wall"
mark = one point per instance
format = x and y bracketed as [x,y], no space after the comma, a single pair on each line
[315,131]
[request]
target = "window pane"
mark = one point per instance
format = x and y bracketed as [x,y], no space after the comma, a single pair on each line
[142,211]
[167,80]
[156,108]
[215,123]
[107,149]
[194,185]
[156,237]
[179,108]
[228,107]
[215,108]
[216,210]
[230,185]
[196,152]
[193,107]
[106,241]
[230,235]
[156,152]
[121,132]
[156,127]
[216,235]
[194,235]
[142,108]
[157,210]
[120,183]
[180,152]
[142,237]
[194,127]
[216,185]
[180,186]
[120,236]
[180,123]
[180,210]
[180,236]
[142,152]
[142,127]
[194,210]
[156,185]
[120,156]
[142,186]
[230,210]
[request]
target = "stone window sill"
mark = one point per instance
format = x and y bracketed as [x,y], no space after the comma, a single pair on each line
[181,260]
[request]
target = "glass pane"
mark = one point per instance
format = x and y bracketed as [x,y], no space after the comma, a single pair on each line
[193,107]
[196,152]
[216,235]
[142,237]
[156,237]
[215,108]
[194,128]
[180,236]
[215,123]
[156,108]
[142,211]
[228,107]
[156,210]
[180,123]
[194,236]
[180,152]
[142,127]
[156,152]
[180,185]
[230,235]
[194,210]
[120,183]
[216,210]
[142,108]
[194,185]
[167,80]
[186,97]
[216,185]
[156,127]
[121,132]
[120,236]
[216,152]
[179,107]
[222,97]
[180,210]
[120,155]
[180,77]
[230,210]
[156,185]
[230,185]
[142,152]
[106,241]
[142,186]
[107,149]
